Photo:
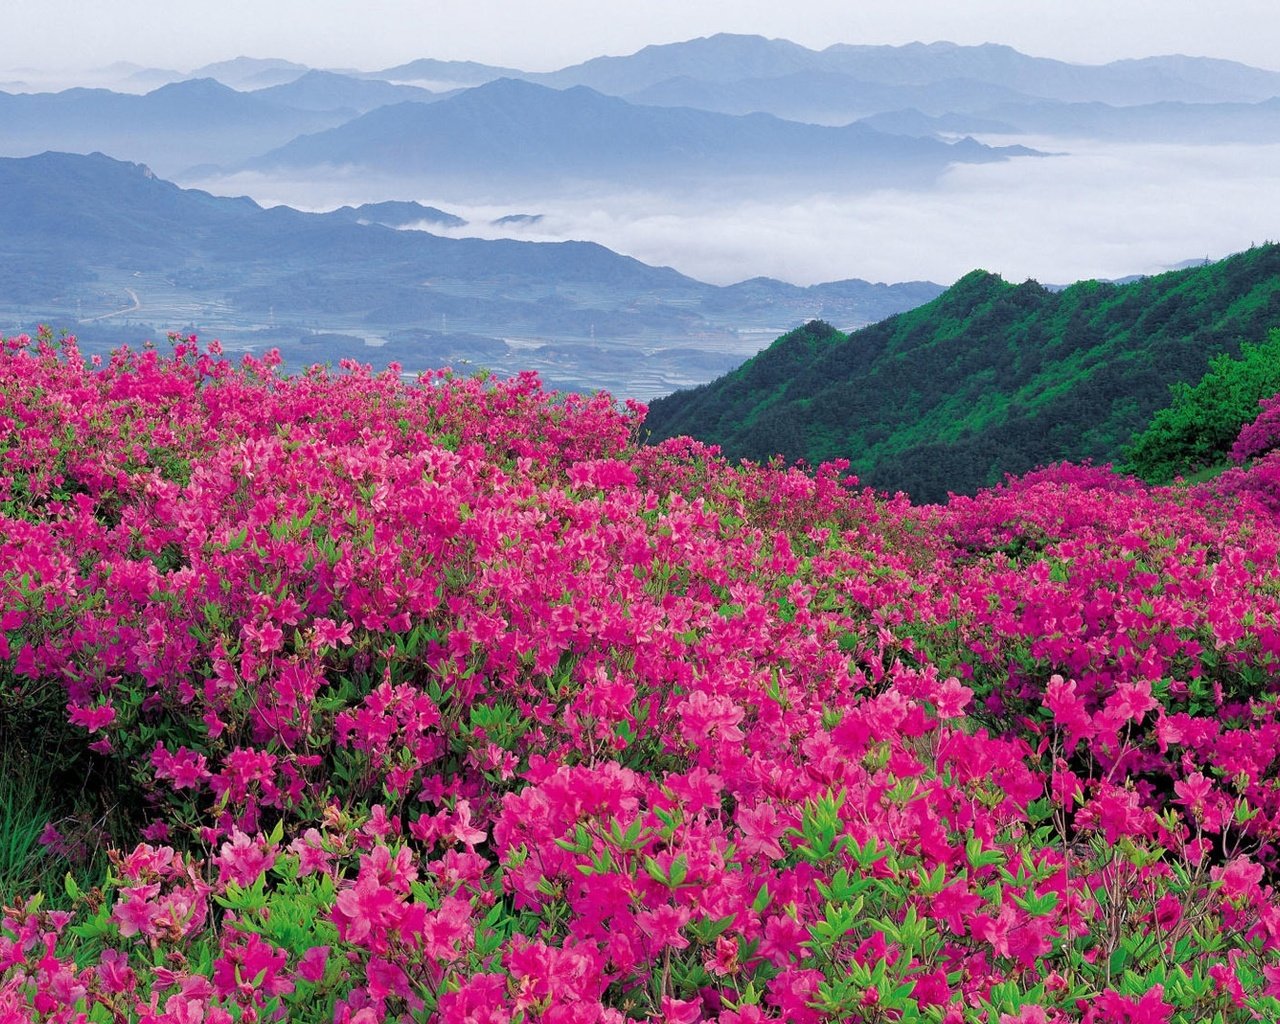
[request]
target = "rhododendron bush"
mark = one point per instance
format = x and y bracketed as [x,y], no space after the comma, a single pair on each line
[449,702]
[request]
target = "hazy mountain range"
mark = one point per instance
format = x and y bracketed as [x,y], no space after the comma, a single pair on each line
[727,58]
[457,148]
[656,124]
[519,137]
[171,128]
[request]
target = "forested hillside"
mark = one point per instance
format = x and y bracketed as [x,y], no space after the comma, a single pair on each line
[1197,431]
[990,378]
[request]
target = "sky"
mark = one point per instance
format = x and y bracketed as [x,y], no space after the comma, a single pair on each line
[537,35]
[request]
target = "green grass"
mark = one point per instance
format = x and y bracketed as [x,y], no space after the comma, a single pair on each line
[26,808]
[1208,473]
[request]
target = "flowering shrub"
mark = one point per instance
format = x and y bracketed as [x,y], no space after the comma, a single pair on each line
[1260,436]
[448,702]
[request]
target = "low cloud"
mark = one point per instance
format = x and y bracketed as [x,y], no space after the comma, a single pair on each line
[1097,210]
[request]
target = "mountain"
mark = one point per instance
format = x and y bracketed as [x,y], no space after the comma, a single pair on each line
[445,74]
[1166,122]
[748,299]
[725,57]
[823,97]
[170,128]
[917,123]
[527,136]
[325,90]
[252,72]
[989,378]
[738,74]
[122,211]
[1121,83]
[89,238]
[399,214]
[148,79]
[733,58]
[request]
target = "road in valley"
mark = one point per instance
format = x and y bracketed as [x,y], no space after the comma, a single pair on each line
[137,305]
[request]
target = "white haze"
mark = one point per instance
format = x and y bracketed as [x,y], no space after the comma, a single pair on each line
[1099,210]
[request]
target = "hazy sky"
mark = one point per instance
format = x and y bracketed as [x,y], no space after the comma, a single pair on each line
[545,34]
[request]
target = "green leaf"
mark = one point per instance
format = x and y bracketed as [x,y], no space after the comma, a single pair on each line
[655,871]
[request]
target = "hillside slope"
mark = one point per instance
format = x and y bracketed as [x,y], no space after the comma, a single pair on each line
[990,378]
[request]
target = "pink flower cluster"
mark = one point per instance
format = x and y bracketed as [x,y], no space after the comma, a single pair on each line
[1260,436]
[453,703]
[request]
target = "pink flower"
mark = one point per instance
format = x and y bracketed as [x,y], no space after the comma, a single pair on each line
[956,906]
[1026,1015]
[1132,700]
[952,698]
[679,1011]
[312,963]
[723,959]
[186,768]
[244,859]
[1193,791]
[784,939]
[702,715]
[663,926]
[135,912]
[761,829]
[1115,812]
[479,999]
[1068,710]
[94,719]
[250,969]
[1113,1008]
[311,854]
[1239,877]
[114,972]
[463,830]
[329,634]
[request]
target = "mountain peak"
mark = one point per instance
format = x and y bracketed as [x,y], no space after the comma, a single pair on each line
[247,65]
[195,87]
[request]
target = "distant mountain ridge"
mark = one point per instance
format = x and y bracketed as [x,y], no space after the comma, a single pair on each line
[729,58]
[987,379]
[1164,122]
[252,72]
[457,73]
[399,214]
[823,97]
[170,128]
[326,90]
[521,134]
[497,126]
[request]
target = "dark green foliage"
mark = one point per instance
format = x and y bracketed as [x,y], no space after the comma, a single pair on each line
[990,378]
[1198,427]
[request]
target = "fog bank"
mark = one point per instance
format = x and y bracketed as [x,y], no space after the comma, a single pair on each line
[1094,210]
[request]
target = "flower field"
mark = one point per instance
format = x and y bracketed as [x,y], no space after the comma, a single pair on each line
[450,702]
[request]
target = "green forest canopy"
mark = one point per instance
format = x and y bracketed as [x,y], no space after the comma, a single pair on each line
[990,378]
